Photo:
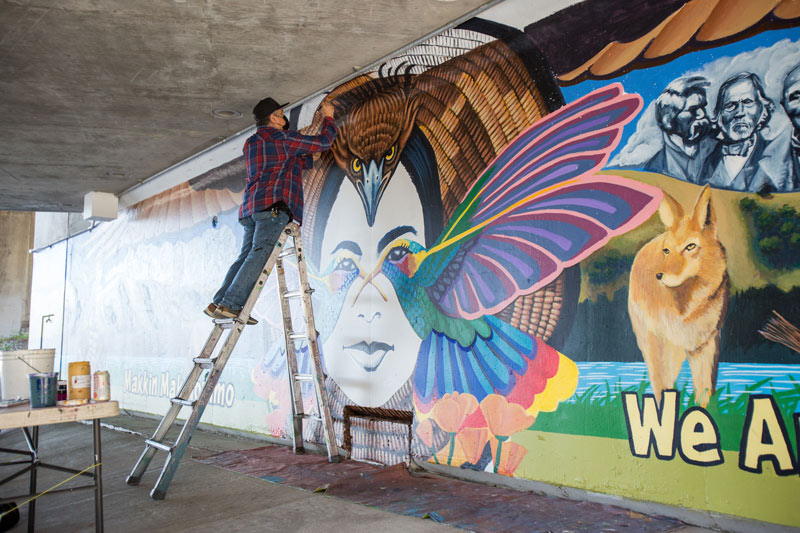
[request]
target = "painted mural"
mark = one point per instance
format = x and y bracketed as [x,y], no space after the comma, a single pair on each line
[571,249]
[658,341]
[535,210]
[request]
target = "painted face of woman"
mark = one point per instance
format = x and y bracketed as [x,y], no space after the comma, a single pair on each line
[372,350]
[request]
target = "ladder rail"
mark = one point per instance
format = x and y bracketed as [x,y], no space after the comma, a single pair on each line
[295,390]
[217,365]
[313,351]
[172,414]
[182,442]
[262,278]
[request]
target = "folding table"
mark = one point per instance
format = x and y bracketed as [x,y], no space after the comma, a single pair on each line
[29,420]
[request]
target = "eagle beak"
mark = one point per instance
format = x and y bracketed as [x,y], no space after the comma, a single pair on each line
[371,192]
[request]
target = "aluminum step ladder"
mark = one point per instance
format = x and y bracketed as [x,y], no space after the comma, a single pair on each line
[207,361]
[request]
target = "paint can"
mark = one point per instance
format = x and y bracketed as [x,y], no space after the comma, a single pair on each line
[80,380]
[15,367]
[61,390]
[101,386]
[43,389]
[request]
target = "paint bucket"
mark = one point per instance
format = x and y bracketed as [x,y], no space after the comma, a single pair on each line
[43,389]
[16,365]
[80,381]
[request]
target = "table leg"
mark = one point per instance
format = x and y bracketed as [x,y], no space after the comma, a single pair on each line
[98,478]
[34,465]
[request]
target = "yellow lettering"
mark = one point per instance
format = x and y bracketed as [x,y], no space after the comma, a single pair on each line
[699,444]
[764,437]
[650,426]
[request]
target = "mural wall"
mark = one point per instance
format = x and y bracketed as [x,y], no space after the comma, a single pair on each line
[570,248]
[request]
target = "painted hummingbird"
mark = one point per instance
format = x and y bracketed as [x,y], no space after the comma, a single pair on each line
[537,209]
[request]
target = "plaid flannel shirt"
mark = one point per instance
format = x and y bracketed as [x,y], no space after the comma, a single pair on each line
[274,160]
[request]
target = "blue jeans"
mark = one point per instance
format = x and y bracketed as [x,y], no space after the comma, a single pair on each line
[261,232]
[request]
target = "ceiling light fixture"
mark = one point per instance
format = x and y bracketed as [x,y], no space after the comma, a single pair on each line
[226,114]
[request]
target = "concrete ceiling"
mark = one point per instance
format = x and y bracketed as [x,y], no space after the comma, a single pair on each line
[98,95]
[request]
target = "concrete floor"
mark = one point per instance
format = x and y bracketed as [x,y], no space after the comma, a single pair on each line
[201,497]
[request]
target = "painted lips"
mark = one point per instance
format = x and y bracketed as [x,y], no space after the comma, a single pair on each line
[368,356]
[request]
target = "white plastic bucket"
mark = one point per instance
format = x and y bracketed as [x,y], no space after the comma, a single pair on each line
[15,367]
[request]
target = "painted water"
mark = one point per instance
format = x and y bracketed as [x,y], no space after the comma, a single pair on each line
[733,379]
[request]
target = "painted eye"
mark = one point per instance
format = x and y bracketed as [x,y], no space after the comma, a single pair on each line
[346,265]
[690,246]
[666,251]
[391,153]
[356,164]
[397,254]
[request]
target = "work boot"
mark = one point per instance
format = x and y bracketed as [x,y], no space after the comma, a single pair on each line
[223,312]
[210,310]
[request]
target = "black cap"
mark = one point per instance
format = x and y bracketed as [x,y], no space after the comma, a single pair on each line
[265,108]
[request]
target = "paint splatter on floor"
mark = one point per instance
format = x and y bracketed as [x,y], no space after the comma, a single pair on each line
[457,503]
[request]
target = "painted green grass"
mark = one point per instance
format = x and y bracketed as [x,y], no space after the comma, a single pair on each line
[603,415]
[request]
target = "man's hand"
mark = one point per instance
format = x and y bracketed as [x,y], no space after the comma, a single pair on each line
[327,109]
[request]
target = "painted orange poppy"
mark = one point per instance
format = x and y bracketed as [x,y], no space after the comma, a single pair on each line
[511,455]
[425,432]
[473,441]
[504,418]
[451,411]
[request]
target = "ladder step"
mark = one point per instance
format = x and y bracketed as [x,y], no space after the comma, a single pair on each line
[309,417]
[159,445]
[297,294]
[181,401]
[322,414]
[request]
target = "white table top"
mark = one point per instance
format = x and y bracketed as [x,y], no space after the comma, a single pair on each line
[24,416]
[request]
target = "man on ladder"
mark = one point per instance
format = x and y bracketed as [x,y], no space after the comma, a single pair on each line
[273,196]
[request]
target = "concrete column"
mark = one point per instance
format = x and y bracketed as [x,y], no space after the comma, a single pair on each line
[16,267]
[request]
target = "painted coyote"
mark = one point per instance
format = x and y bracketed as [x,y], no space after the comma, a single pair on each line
[678,297]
